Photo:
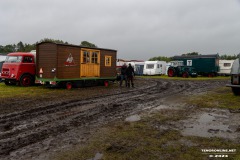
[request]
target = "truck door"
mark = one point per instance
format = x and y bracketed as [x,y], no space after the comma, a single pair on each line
[90,63]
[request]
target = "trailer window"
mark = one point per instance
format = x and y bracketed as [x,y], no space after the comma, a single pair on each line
[108,60]
[14,59]
[86,57]
[150,66]
[227,64]
[94,57]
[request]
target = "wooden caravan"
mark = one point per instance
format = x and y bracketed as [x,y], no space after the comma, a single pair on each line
[72,65]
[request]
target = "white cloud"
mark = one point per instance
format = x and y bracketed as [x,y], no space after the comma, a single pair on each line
[138,29]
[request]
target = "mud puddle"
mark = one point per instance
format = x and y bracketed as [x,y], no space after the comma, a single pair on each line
[133,118]
[43,131]
[212,123]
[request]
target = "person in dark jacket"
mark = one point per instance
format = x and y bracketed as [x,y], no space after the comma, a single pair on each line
[123,75]
[130,74]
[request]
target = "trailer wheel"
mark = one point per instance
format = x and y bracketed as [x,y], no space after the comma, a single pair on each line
[210,75]
[236,91]
[185,75]
[171,72]
[26,80]
[106,83]
[68,85]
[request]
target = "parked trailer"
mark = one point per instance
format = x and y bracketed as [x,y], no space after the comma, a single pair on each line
[235,77]
[74,66]
[207,65]
[225,67]
[137,66]
[154,67]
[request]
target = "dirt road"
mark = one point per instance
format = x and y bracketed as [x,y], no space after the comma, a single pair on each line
[39,132]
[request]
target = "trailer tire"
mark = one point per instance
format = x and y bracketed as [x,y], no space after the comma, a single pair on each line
[236,91]
[210,75]
[26,80]
[185,75]
[171,72]
[69,85]
[106,83]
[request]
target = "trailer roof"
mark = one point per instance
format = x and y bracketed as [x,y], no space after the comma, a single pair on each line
[72,45]
[196,56]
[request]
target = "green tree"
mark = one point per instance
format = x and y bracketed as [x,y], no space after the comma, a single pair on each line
[229,57]
[9,48]
[20,47]
[161,58]
[52,40]
[191,54]
[88,44]
[29,47]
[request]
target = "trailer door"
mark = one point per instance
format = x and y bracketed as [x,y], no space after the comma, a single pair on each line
[90,63]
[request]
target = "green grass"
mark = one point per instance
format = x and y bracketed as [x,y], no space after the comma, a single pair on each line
[144,140]
[199,78]
[16,91]
[218,98]
[44,92]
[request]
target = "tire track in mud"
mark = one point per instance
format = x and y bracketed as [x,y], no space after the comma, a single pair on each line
[35,125]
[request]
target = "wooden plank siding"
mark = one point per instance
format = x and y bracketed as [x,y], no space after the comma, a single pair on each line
[68,71]
[47,59]
[52,55]
[106,71]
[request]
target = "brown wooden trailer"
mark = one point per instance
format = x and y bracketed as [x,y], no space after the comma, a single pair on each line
[72,65]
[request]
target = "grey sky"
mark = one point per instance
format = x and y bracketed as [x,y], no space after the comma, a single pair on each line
[138,29]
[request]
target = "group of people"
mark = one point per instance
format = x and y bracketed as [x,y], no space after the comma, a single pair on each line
[127,73]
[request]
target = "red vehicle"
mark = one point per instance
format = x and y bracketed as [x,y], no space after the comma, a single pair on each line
[19,68]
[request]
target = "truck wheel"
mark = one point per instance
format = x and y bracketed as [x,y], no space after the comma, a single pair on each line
[26,80]
[236,91]
[7,82]
[171,72]
[69,85]
[185,75]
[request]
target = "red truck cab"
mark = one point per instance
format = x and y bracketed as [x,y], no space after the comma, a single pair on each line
[19,68]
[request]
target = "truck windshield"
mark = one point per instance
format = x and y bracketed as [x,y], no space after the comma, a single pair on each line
[13,59]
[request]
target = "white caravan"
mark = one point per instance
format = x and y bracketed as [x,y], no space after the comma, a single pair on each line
[137,66]
[225,67]
[154,68]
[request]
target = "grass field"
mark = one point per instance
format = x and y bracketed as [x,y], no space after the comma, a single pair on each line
[34,91]
[199,78]
[144,140]
[219,98]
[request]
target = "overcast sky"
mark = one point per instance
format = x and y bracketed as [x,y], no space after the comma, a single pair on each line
[137,29]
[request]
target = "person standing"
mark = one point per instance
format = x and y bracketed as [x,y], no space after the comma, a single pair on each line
[123,75]
[130,74]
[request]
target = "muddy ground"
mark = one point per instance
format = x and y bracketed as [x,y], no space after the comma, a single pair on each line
[47,127]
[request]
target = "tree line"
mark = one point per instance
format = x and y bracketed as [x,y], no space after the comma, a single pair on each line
[168,59]
[24,47]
